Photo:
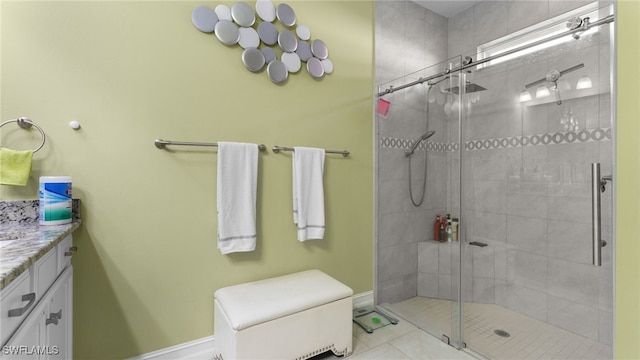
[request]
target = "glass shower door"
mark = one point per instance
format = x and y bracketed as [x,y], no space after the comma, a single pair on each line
[417,275]
[530,288]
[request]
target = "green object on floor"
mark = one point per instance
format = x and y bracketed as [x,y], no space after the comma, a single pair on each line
[371,318]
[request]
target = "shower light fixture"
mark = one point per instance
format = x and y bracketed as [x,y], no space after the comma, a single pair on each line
[524,96]
[542,91]
[584,83]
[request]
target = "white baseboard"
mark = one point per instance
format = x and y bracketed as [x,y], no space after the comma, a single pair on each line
[193,350]
[362,300]
[203,349]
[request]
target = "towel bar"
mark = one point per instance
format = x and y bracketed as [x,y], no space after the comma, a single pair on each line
[26,123]
[276,149]
[161,144]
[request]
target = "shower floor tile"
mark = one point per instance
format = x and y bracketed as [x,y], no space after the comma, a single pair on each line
[529,338]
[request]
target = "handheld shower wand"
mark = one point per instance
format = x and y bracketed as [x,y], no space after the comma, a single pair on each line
[424,136]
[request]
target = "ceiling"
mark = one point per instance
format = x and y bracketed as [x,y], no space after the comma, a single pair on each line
[446,8]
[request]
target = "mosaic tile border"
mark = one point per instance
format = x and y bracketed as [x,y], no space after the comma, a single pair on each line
[405,144]
[568,137]
[557,138]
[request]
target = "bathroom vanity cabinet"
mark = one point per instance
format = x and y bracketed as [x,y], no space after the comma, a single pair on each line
[37,308]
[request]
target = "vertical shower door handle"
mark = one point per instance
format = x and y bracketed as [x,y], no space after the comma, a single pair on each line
[597,186]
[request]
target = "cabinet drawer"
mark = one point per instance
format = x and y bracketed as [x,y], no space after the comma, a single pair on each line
[45,272]
[15,300]
[65,251]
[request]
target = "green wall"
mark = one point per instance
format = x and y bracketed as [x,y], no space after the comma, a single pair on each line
[131,72]
[627,344]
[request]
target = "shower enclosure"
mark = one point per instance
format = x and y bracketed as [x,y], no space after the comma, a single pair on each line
[516,141]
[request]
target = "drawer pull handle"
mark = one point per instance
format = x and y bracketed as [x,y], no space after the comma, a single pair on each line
[31,298]
[73,248]
[68,253]
[54,317]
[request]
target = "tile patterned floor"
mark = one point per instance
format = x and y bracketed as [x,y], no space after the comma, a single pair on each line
[403,341]
[530,339]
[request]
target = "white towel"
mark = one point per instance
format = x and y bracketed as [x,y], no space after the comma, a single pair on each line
[308,192]
[237,184]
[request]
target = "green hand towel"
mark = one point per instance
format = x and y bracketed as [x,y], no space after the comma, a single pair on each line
[15,166]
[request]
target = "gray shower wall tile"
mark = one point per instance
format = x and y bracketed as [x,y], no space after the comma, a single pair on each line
[446,287]
[527,270]
[428,285]
[500,265]
[569,209]
[527,234]
[527,205]
[605,327]
[398,289]
[484,290]
[487,196]
[573,282]
[501,298]
[487,165]
[577,318]
[522,14]
[391,165]
[398,261]
[483,262]
[428,256]
[403,228]
[569,241]
[489,21]
[445,259]
[605,289]
[485,227]
[460,26]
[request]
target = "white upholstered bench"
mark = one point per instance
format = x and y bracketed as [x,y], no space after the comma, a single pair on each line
[294,316]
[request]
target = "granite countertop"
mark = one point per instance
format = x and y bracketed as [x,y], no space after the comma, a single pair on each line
[23,241]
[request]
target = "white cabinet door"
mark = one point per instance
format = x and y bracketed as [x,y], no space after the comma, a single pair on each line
[27,342]
[46,333]
[59,320]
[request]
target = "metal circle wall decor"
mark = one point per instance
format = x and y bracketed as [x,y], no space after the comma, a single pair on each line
[281,49]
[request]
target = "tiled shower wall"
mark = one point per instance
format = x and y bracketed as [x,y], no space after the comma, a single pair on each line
[408,37]
[527,190]
[529,202]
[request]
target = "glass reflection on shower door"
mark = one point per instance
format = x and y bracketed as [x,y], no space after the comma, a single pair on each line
[529,287]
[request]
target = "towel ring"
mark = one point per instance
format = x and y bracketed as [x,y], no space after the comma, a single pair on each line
[26,123]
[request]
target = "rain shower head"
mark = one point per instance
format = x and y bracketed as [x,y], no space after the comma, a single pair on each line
[469,88]
[424,136]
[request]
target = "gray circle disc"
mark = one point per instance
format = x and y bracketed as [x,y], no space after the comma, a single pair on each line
[204,19]
[304,51]
[248,38]
[315,68]
[253,59]
[292,60]
[266,10]
[268,33]
[277,71]
[286,15]
[243,14]
[269,54]
[227,32]
[319,49]
[287,41]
